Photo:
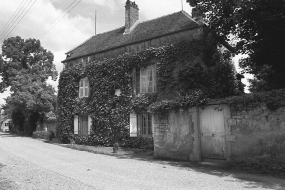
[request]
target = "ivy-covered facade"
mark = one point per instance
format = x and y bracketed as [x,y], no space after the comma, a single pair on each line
[111,92]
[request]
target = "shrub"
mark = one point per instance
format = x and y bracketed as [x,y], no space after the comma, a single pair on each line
[94,140]
[48,135]
[263,164]
[140,142]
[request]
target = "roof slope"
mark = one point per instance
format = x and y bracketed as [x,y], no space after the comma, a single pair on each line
[143,31]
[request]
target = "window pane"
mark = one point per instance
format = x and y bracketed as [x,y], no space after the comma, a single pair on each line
[144,124]
[138,86]
[149,124]
[83,125]
[86,92]
[143,80]
[81,83]
[81,92]
[149,77]
[154,77]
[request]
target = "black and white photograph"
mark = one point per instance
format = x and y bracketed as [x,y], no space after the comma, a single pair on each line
[142,94]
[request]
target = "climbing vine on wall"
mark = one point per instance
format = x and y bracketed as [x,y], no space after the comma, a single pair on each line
[183,79]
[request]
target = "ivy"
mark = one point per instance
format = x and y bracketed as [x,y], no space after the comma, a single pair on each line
[183,80]
[272,99]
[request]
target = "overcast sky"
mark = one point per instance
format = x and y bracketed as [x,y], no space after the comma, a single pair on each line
[43,19]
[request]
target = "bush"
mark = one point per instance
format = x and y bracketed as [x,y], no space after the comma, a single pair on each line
[93,140]
[140,142]
[48,135]
[52,134]
[262,164]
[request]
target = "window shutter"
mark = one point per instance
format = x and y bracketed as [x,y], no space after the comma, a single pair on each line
[80,92]
[134,82]
[133,125]
[89,124]
[138,81]
[76,124]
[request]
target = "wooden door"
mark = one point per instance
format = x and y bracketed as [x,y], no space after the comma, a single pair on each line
[212,127]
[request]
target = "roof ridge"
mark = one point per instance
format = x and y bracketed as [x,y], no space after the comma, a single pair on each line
[160,17]
[190,17]
[79,45]
[92,37]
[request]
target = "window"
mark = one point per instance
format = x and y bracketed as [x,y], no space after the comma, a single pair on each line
[83,88]
[85,61]
[82,124]
[145,124]
[144,79]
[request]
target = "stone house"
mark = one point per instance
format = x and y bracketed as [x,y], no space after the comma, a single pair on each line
[5,124]
[177,135]
[135,36]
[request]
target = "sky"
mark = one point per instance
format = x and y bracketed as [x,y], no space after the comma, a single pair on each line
[61,25]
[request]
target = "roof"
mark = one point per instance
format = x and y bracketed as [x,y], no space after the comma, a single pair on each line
[146,30]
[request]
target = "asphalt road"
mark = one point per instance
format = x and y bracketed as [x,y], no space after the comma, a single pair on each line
[27,163]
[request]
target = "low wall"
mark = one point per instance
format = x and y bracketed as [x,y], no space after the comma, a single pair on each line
[255,131]
[258,131]
[174,136]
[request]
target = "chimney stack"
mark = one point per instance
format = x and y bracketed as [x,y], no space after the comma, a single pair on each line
[131,15]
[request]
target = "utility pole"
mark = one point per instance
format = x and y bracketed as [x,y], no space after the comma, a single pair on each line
[95,20]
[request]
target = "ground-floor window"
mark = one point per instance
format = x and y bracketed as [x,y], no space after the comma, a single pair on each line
[82,124]
[144,123]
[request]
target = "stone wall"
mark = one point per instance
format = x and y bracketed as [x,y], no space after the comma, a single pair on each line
[174,136]
[255,131]
[258,131]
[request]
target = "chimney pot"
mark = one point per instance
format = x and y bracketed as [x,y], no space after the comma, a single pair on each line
[131,15]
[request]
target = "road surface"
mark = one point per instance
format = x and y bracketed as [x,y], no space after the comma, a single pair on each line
[27,163]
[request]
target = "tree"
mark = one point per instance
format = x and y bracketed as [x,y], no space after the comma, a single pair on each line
[25,66]
[257,27]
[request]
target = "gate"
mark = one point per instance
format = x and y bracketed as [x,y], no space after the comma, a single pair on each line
[212,128]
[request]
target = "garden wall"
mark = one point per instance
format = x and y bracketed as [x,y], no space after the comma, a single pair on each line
[254,131]
[258,131]
[176,136]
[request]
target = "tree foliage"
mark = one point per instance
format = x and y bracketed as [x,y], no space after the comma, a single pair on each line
[25,66]
[258,28]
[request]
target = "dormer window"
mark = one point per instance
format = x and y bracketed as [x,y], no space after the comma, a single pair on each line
[145,79]
[83,88]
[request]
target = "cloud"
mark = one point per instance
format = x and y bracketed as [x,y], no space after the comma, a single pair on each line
[111,4]
[69,32]
[151,9]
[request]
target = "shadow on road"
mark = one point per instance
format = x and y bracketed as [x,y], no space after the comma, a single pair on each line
[7,135]
[250,178]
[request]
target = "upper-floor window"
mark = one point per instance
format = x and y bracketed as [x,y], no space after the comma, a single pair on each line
[145,79]
[85,61]
[83,88]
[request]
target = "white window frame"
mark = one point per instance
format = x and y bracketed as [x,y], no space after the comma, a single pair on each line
[147,79]
[82,124]
[83,87]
